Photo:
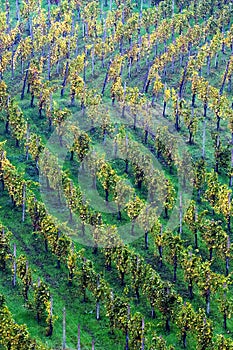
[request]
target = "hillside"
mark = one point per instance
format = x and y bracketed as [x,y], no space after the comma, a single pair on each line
[116,174]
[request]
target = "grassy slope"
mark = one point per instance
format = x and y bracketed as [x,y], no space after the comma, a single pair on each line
[77,312]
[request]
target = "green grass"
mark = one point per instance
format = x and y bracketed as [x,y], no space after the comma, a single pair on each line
[44,265]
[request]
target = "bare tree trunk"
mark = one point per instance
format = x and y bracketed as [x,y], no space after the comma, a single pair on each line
[49,13]
[167,325]
[79,340]
[216,61]
[98,302]
[106,78]
[25,81]
[84,65]
[164,108]
[146,81]
[146,240]
[17,10]
[208,302]
[184,339]
[152,312]
[225,77]
[229,83]
[180,215]
[225,321]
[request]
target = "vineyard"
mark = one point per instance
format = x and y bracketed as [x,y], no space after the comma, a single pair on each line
[116,174]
